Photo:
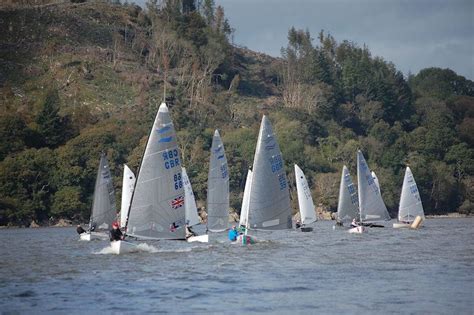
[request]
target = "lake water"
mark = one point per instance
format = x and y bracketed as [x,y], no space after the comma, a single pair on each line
[430,270]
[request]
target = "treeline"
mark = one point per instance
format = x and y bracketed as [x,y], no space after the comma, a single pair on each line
[89,78]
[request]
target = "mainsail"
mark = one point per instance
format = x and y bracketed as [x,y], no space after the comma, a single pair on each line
[372,207]
[244,211]
[348,204]
[103,206]
[269,198]
[128,184]
[217,187]
[410,201]
[305,200]
[157,209]
[192,217]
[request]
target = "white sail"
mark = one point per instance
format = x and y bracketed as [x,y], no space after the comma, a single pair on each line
[217,187]
[371,205]
[192,217]
[410,201]
[157,209]
[376,180]
[244,211]
[348,203]
[269,201]
[103,206]
[128,183]
[305,200]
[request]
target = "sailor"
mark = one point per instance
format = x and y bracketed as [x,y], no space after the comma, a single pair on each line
[80,230]
[115,233]
[354,223]
[339,223]
[298,224]
[233,233]
[189,231]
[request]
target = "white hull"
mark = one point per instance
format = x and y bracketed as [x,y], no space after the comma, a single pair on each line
[93,236]
[401,225]
[358,230]
[199,238]
[123,247]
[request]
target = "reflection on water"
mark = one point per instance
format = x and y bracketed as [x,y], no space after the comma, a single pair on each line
[326,271]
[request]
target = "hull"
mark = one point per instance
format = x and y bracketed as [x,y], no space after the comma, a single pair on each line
[123,247]
[199,238]
[306,229]
[94,236]
[401,225]
[358,230]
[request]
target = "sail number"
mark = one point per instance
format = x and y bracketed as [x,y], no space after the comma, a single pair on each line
[276,162]
[224,171]
[178,183]
[282,181]
[171,158]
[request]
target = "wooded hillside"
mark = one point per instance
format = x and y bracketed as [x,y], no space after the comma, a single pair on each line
[80,78]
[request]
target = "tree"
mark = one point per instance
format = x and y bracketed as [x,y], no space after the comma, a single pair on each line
[51,126]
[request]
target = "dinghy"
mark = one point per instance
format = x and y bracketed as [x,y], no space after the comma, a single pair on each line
[128,184]
[410,203]
[103,206]
[157,207]
[190,208]
[372,209]
[305,200]
[217,187]
[348,203]
[268,194]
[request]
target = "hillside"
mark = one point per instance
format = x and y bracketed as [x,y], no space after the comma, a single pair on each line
[78,79]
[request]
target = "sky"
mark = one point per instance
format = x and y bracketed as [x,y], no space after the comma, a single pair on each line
[413,34]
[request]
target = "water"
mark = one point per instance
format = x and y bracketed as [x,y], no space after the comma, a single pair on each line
[384,271]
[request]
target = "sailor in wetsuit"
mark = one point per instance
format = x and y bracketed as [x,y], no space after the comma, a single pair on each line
[80,230]
[115,233]
[233,234]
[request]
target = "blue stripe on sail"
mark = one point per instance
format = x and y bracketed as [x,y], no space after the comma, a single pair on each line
[220,157]
[164,129]
[167,139]
[218,149]
[270,147]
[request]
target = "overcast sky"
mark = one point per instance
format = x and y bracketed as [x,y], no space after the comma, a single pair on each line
[413,34]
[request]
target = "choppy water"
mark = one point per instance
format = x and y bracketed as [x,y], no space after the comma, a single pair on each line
[384,271]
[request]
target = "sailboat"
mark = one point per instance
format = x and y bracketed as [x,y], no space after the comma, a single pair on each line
[244,210]
[305,200]
[372,209]
[410,202]
[103,206]
[269,198]
[348,203]
[192,217]
[217,187]
[157,208]
[128,183]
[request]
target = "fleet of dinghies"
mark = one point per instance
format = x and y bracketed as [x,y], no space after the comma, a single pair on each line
[159,203]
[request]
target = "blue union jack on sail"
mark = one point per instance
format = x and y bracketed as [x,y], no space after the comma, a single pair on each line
[177,202]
